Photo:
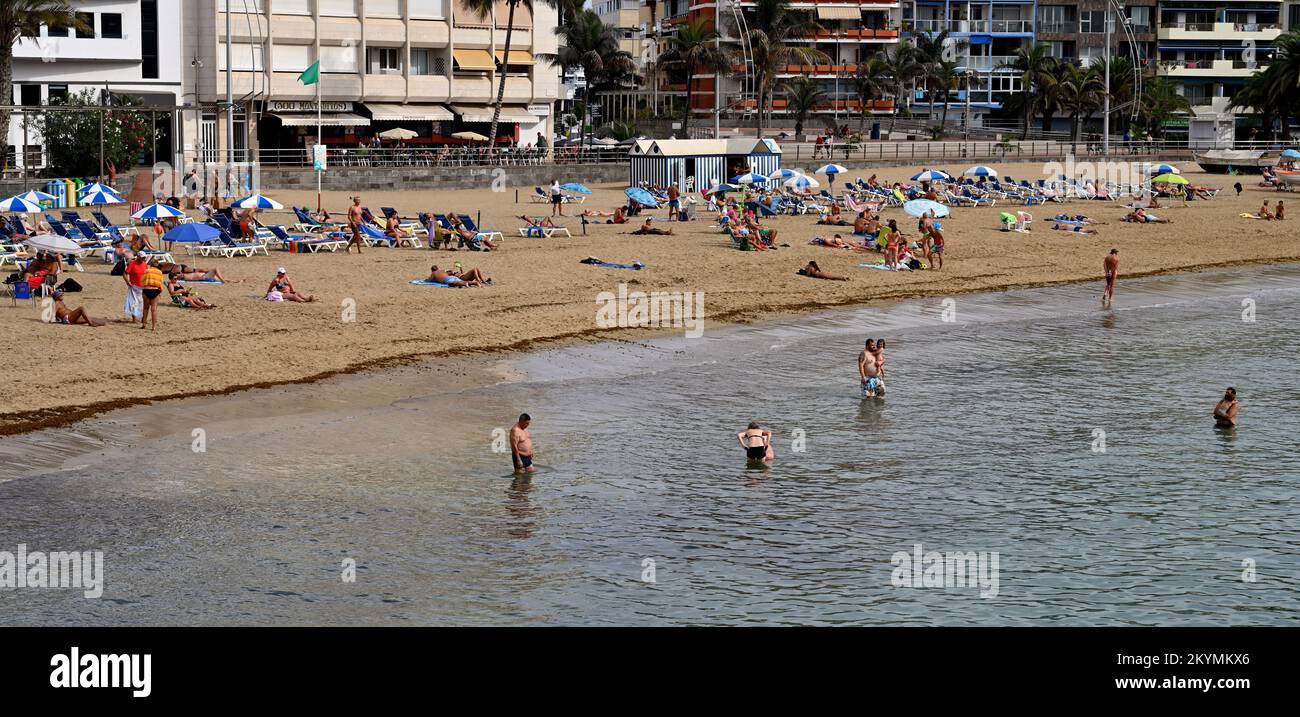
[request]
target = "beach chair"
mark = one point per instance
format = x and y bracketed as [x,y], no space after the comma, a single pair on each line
[246,248]
[92,237]
[308,224]
[539,196]
[312,244]
[977,201]
[546,232]
[411,225]
[372,235]
[469,224]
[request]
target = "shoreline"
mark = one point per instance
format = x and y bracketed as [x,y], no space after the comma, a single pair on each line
[18,423]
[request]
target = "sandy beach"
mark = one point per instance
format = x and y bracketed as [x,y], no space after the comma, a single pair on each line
[543,294]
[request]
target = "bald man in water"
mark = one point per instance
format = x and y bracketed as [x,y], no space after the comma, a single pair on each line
[1225,411]
[1111,267]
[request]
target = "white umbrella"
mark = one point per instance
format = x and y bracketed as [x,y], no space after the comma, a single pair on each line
[18,205]
[100,198]
[53,244]
[802,182]
[831,169]
[399,133]
[472,136]
[981,170]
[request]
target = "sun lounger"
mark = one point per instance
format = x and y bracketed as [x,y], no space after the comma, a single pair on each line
[546,232]
[539,196]
[469,224]
[306,244]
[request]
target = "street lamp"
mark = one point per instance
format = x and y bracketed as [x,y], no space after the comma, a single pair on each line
[966,73]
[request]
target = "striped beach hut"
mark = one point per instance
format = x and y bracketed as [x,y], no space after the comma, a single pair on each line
[694,164]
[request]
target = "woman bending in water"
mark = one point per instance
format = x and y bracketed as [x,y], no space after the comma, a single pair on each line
[757,443]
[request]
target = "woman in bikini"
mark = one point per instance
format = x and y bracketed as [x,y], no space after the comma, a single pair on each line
[283,287]
[64,315]
[757,443]
[183,296]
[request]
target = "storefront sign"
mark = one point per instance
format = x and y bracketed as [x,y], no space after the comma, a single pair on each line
[295,106]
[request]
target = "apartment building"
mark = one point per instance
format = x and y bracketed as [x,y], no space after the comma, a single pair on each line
[126,47]
[430,66]
[1076,29]
[1210,49]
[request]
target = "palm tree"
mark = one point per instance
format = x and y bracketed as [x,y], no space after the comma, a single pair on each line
[1160,101]
[1080,92]
[803,96]
[870,81]
[945,76]
[1034,65]
[771,27]
[594,46]
[900,66]
[484,9]
[932,49]
[695,47]
[22,19]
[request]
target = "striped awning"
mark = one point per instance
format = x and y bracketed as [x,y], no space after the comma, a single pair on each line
[340,119]
[838,13]
[517,57]
[483,113]
[412,113]
[480,60]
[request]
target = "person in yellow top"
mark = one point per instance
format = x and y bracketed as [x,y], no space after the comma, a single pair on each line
[151,285]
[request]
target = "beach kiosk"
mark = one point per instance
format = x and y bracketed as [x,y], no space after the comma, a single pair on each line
[694,164]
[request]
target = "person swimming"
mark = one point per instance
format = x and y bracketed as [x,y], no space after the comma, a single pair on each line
[757,443]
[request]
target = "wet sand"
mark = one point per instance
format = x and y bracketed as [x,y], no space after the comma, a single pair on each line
[543,294]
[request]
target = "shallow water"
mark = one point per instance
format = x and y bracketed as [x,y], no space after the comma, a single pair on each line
[986,443]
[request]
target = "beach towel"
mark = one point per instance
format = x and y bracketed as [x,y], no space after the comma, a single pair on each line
[593,261]
[880,264]
[426,282]
[1244,215]
[200,281]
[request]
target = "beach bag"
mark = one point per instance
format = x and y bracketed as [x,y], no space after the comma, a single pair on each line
[69,285]
[119,268]
[275,296]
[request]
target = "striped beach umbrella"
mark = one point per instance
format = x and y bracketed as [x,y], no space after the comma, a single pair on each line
[256,201]
[36,197]
[784,173]
[99,198]
[802,182]
[980,170]
[1162,169]
[158,211]
[930,175]
[18,205]
[97,187]
[748,178]
[831,169]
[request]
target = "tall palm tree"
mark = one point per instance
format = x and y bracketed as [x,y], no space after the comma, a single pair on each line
[1160,100]
[484,9]
[589,43]
[945,77]
[1035,65]
[803,95]
[900,67]
[695,48]
[870,81]
[932,49]
[1080,92]
[772,28]
[22,19]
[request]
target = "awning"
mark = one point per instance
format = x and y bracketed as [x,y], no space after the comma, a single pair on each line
[839,13]
[413,113]
[473,60]
[341,119]
[517,57]
[483,113]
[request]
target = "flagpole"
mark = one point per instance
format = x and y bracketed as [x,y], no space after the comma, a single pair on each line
[320,139]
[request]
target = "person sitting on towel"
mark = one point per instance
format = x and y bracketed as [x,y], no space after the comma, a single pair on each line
[457,277]
[647,229]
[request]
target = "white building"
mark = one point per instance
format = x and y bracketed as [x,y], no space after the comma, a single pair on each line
[134,48]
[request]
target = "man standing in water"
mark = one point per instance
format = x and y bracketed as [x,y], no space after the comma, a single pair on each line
[757,443]
[354,224]
[869,372]
[1225,412]
[1111,267]
[521,445]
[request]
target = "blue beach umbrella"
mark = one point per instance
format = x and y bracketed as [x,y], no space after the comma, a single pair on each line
[576,188]
[256,201]
[784,173]
[641,196]
[1162,169]
[158,211]
[921,207]
[831,169]
[18,205]
[802,182]
[97,187]
[980,170]
[748,178]
[192,233]
[99,198]
[724,187]
[36,197]
[930,175]
[1291,154]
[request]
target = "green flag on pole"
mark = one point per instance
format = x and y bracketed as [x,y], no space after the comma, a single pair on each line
[311,75]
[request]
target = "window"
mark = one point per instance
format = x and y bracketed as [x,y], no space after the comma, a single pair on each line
[338,8]
[426,9]
[385,61]
[88,18]
[29,95]
[383,8]
[421,61]
[110,25]
[244,57]
[1139,18]
[1092,21]
[56,31]
[338,59]
[58,92]
[293,7]
[440,65]
[149,39]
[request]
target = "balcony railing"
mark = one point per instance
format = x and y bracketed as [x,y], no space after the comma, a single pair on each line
[988,63]
[1188,26]
[1068,27]
[979,26]
[864,33]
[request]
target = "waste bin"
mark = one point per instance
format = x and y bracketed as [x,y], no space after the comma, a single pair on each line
[875,130]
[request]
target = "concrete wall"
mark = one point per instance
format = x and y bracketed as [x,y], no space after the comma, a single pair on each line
[523,178]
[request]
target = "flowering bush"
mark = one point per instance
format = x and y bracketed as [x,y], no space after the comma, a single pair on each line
[72,135]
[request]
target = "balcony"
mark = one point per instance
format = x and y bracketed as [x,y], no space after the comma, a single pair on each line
[473,89]
[852,35]
[1069,27]
[983,27]
[990,63]
[1233,32]
[1210,68]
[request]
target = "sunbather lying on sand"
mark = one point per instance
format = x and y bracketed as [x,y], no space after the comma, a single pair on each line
[835,242]
[64,315]
[1076,228]
[814,271]
[183,296]
[647,229]
[1139,216]
[539,222]
[457,277]
[193,273]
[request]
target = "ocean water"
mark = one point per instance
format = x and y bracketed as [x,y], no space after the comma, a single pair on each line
[1075,443]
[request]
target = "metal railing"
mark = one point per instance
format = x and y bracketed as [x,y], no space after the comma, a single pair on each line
[444,157]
